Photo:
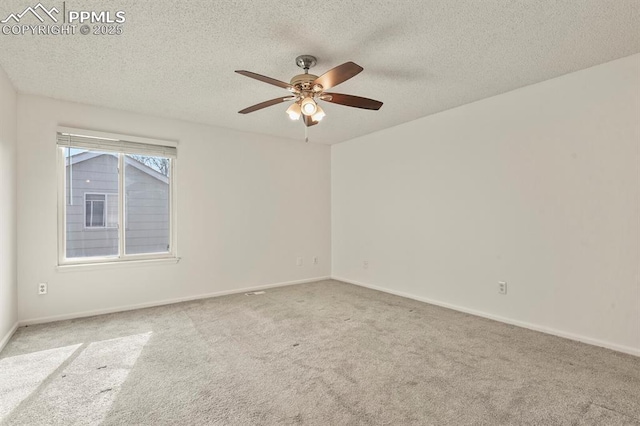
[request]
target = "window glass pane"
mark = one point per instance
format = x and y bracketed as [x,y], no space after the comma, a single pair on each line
[146,182]
[112,210]
[91,183]
[94,213]
[88,212]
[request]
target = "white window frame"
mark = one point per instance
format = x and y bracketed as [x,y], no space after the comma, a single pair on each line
[121,258]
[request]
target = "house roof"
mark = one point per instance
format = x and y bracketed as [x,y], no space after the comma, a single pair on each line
[88,155]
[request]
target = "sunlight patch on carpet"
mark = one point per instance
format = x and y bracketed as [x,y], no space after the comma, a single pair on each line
[21,375]
[84,391]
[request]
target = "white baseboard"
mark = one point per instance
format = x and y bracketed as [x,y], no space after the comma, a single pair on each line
[595,342]
[83,314]
[6,337]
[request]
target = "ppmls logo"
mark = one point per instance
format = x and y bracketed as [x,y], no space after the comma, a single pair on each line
[34,11]
[85,22]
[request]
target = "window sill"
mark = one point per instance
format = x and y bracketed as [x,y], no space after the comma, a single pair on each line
[71,267]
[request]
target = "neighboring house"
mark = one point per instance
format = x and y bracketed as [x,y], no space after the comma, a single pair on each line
[92,206]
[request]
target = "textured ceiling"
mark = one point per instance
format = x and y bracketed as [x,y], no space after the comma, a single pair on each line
[176,59]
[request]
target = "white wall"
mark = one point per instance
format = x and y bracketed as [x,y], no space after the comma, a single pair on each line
[8,250]
[538,187]
[248,205]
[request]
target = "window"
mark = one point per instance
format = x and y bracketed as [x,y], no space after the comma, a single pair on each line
[116,198]
[100,210]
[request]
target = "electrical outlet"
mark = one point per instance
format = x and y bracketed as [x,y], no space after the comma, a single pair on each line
[502,287]
[298,261]
[365,264]
[42,288]
[315,260]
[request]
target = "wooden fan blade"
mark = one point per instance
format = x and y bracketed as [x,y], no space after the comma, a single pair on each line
[308,121]
[353,101]
[264,104]
[265,79]
[338,75]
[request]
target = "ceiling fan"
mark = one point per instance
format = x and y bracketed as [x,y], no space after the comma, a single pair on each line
[307,89]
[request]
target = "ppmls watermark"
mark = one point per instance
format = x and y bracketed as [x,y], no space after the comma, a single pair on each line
[40,20]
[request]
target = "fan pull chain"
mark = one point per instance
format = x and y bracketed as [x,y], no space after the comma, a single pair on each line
[306,134]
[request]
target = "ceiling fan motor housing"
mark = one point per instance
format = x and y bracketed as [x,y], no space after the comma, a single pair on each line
[303,82]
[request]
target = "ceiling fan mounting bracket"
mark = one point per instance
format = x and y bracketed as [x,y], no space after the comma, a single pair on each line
[306,61]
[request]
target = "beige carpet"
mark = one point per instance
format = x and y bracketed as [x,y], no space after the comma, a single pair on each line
[324,353]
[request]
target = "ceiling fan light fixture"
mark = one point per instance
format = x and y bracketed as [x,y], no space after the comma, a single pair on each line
[319,115]
[309,106]
[294,111]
